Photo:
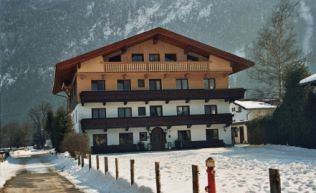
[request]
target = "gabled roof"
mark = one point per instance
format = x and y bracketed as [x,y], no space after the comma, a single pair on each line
[66,69]
[309,80]
[254,105]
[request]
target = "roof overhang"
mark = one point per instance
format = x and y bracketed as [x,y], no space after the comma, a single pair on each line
[65,70]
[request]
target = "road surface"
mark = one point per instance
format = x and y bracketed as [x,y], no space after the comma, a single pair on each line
[36,176]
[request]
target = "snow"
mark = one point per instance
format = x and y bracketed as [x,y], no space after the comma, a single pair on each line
[242,169]
[254,105]
[309,79]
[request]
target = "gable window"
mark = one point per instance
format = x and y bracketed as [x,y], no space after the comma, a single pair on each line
[123,85]
[182,84]
[141,83]
[116,58]
[209,83]
[98,113]
[210,109]
[183,110]
[233,109]
[97,85]
[192,58]
[211,134]
[124,112]
[126,138]
[138,57]
[170,57]
[141,111]
[184,135]
[99,139]
[154,84]
[155,111]
[143,136]
[154,57]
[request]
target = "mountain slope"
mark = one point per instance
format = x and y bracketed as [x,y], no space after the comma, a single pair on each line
[35,35]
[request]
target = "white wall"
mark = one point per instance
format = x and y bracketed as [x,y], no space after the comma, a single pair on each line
[198,132]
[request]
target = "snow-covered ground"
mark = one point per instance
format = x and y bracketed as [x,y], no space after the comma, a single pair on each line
[239,169]
[242,170]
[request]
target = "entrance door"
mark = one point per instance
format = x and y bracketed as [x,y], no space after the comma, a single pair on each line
[157,139]
[241,133]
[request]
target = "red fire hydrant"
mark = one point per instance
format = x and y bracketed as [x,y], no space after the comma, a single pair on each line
[210,164]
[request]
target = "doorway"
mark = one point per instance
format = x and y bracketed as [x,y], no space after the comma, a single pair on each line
[157,139]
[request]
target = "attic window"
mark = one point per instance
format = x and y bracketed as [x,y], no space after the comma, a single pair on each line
[138,57]
[192,58]
[116,58]
[170,57]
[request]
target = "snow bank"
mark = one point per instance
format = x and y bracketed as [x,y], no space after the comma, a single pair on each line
[8,169]
[92,180]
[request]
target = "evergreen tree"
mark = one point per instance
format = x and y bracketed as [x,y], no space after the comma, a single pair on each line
[62,125]
[290,118]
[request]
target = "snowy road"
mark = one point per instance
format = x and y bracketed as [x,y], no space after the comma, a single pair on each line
[34,175]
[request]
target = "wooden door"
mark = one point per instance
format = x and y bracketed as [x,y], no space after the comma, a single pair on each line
[157,139]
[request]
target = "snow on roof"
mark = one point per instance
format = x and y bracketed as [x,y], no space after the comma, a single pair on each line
[255,105]
[309,80]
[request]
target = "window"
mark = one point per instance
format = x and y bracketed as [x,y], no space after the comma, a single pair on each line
[143,136]
[239,109]
[154,57]
[97,85]
[155,111]
[192,58]
[210,109]
[209,83]
[233,109]
[141,111]
[211,134]
[126,138]
[182,84]
[154,84]
[99,139]
[141,83]
[99,113]
[123,85]
[138,57]
[170,57]
[184,135]
[183,110]
[116,58]
[124,112]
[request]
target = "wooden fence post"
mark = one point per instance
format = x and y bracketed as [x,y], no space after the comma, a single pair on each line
[195,178]
[132,171]
[82,160]
[97,158]
[116,169]
[275,181]
[78,157]
[89,161]
[106,166]
[157,171]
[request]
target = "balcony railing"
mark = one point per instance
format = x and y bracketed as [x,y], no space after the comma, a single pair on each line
[161,95]
[190,120]
[179,66]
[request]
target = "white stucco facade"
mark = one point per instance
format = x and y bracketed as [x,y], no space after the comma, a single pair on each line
[197,132]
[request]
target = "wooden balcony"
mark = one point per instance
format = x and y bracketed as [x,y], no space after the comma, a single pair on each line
[178,66]
[161,95]
[190,120]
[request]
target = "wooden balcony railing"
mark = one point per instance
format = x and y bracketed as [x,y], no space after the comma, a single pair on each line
[161,95]
[108,123]
[184,66]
